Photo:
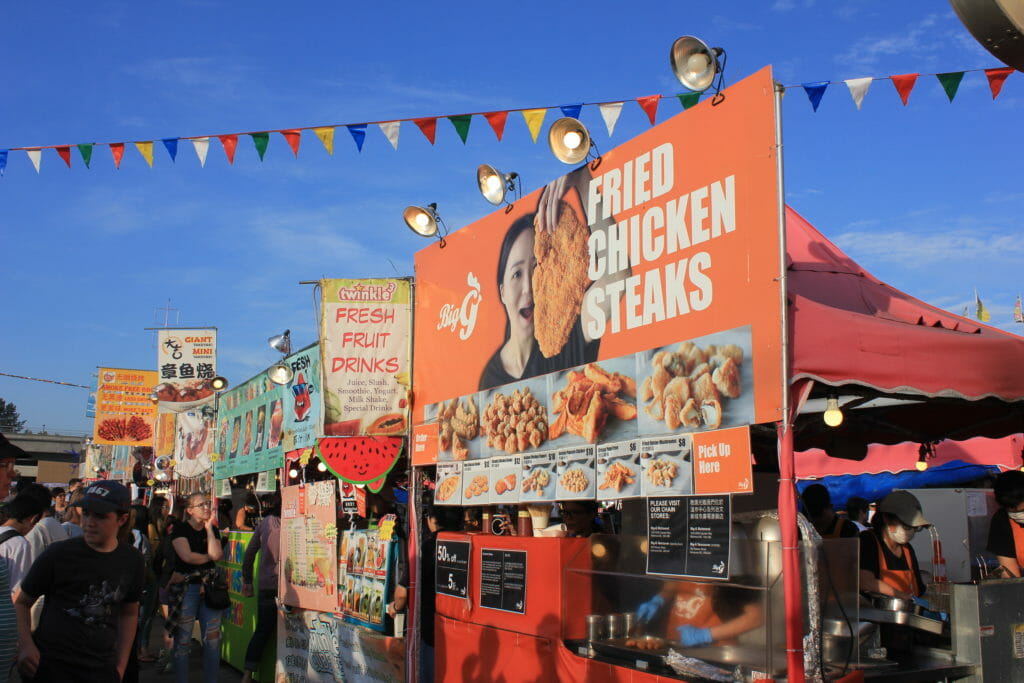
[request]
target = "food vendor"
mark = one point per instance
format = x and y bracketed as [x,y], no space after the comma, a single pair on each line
[1006,530]
[888,564]
[818,508]
[580,518]
[702,613]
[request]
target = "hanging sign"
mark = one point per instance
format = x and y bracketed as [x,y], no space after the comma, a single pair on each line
[125,415]
[193,443]
[303,400]
[689,536]
[309,558]
[186,362]
[250,421]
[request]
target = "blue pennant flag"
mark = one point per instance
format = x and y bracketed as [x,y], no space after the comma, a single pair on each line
[814,92]
[3,161]
[358,134]
[571,110]
[172,147]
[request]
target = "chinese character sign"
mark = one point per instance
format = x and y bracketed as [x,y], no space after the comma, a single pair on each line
[303,400]
[186,361]
[250,422]
[124,412]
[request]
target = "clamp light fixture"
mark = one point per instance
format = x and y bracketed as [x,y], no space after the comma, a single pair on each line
[219,383]
[697,65]
[569,140]
[280,372]
[495,185]
[425,221]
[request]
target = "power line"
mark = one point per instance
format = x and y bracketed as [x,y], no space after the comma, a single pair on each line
[48,381]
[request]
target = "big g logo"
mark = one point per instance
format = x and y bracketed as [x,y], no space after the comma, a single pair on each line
[462,318]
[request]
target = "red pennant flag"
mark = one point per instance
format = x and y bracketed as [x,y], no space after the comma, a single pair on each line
[904,84]
[292,137]
[65,154]
[230,142]
[996,78]
[117,149]
[650,105]
[497,120]
[428,126]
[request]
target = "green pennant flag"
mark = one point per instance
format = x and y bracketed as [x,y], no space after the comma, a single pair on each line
[260,140]
[461,123]
[688,99]
[86,152]
[950,82]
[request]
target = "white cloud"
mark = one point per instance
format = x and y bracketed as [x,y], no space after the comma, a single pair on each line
[927,39]
[918,249]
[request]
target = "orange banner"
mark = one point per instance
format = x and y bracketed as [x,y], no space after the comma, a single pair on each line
[636,296]
[723,462]
[125,414]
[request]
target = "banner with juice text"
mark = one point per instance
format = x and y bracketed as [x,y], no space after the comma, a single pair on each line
[303,400]
[250,421]
[366,346]
[637,297]
[309,546]
[125,415]
[186,361]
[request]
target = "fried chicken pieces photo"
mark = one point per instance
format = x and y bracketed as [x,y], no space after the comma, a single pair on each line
[590,397]
[686,387]
[459,422]
[560,279]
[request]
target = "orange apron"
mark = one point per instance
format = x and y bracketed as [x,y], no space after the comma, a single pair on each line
[693,604]
[901,579]
[1018,543]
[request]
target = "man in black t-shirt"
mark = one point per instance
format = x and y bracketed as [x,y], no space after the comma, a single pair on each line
[92,585]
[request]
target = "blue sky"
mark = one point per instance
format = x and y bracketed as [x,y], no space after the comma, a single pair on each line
[926,197]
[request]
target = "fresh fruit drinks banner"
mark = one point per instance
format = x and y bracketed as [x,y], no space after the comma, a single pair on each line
[303,400]
[309,555]
[637,296]
[186,361]
[125,415]
[366,346]
[250,423]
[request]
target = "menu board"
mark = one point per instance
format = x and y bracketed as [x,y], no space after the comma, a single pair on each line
[539,476]
[576,473]
[503,580]
[667,466]
[505,473]
[452,568]
[250,422]
[125,415]
[365,565]
[449,484]
[476,486]
[689,536]
[618,470]
[309,545]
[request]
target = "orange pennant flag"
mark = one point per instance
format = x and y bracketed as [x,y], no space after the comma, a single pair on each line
[230,142]
[146,150]
[497,120]
[117,150]
[904,84]
[292,137]
[534,120]
[650,105]
[65,154]
[326,135]
[428,126]
[996,78]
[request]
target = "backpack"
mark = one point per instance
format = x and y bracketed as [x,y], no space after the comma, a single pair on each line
[8,535]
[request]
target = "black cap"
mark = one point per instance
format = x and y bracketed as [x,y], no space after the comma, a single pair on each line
[106,496]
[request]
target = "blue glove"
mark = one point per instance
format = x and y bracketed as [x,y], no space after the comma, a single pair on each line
[921,602]
[649,609]
[694,636]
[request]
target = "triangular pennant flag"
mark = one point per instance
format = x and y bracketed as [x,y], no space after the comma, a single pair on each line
[497,120]
[293,137]
[391,130]
[35,156]
[650,105]
[202,146]
[358,131]
[951,83]
[858,89]
[815,91]
[65,154]
[260,140]
[230,143]
[610,113]
[3,161]
[1018,312]
[996,78]
[326,135]
[86,152]
[980,311]
[534,119]
[146,150]
[904,84]
[461,123]
[171,144]
[688,99]
[571,110]
[428,126]
[117,151]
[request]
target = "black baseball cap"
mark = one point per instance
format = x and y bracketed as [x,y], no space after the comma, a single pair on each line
[106,496]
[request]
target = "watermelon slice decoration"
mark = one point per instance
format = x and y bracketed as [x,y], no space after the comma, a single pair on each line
[362,460]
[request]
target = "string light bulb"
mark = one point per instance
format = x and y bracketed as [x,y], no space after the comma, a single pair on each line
[293,473]
[833,415]
[321,467]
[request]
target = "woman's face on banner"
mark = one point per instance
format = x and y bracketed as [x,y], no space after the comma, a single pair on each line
[517,285]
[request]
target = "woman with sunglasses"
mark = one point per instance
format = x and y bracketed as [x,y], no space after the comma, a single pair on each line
[197,549]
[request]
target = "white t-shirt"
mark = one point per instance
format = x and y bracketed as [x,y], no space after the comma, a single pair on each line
[46,531]
[17,553]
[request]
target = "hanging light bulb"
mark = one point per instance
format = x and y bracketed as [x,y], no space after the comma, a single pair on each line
[921,465]
[922,458]
[833,415]
[321,467]
[293,473]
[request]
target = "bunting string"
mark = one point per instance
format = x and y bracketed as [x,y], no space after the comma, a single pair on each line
[533,117]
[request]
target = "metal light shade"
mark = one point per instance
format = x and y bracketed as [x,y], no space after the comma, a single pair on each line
[218,383]
[154,397]
[569,140]
[162,463]
[422,221]
[694,63]
[282,343]
[998,25]
[494,184]
[280,373]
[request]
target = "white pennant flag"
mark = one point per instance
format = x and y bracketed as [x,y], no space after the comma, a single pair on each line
[610,113]
[858,89]
[35,156]
[202,146]
[390,130]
